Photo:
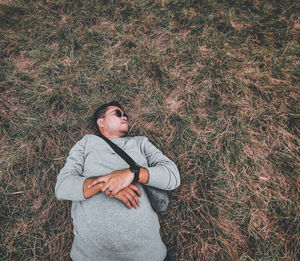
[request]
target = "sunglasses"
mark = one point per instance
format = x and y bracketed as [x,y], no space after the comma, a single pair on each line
[119,114]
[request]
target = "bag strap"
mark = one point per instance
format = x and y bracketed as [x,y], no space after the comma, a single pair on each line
[158,198]
[119,151]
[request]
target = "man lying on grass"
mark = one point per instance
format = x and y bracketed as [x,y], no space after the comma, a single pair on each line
[112,216]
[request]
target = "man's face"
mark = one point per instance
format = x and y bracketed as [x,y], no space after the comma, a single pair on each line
[111,125]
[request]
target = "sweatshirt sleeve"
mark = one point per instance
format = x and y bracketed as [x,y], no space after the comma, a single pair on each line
[163,173]
[69,185]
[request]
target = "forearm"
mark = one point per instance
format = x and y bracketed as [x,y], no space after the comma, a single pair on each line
[112,183]
[163,177]
[162,172]
[91,191]
[70,178]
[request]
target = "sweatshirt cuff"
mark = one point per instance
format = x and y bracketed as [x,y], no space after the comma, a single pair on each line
[73,189]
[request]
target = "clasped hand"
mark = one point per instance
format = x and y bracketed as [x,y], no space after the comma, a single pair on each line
[128,196]
[114,182]
[118,185]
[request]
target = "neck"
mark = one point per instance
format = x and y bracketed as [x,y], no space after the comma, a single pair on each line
[111,135]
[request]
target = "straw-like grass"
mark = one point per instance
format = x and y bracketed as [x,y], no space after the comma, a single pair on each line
[214,84]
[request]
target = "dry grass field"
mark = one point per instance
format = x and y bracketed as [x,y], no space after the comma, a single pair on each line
[213,84]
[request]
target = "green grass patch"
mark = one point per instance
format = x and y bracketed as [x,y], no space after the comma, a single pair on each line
[214,84]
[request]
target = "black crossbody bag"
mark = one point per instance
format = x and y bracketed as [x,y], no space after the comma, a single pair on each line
[158,198]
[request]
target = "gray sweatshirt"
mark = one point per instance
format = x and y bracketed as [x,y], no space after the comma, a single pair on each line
[104,228]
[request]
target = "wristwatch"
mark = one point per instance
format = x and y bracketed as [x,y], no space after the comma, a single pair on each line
[136,170]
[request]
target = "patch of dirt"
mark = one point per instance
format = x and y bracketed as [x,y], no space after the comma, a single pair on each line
[66,61]
[173,103]
[237,26]
[23,64]
[204,51]
[6,2]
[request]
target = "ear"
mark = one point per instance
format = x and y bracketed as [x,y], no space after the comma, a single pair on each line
[100,123]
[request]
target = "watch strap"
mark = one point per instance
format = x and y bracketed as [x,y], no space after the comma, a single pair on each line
[136,171]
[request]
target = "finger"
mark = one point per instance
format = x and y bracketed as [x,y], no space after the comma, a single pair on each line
[132,200]
[106,192]
[112,195]
[134,197]
[114,190]
[126,202]
[106,185]
[96,181]
[110,189]
[136,189]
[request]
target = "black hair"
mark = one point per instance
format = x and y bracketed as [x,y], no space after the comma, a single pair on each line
[100,113]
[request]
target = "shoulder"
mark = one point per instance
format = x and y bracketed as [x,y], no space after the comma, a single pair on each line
[87,138]
[92,140]
[144,144]
[136,141]
[90,137]
[139,139]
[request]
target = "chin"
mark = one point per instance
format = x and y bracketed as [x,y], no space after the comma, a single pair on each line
[124,131]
